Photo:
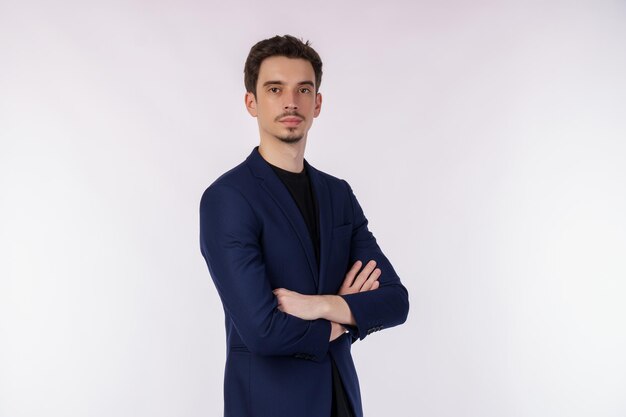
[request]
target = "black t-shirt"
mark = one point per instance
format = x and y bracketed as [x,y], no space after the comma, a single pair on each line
[299,186]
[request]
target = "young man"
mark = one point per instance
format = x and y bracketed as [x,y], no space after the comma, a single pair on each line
[300,276]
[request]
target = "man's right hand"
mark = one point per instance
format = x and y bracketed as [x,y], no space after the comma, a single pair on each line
[366,280]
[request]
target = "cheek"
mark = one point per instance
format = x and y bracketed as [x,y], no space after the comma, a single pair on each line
[265,117]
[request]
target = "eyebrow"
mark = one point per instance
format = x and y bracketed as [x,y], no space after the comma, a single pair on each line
[307,82]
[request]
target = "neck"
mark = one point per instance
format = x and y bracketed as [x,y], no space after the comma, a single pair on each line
[288,156]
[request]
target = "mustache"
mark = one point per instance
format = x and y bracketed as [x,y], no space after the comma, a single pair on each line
[293,114]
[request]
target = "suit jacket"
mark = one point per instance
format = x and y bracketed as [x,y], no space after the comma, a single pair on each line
[254,239]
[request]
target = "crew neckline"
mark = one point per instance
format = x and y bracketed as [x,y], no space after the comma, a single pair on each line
[301,174]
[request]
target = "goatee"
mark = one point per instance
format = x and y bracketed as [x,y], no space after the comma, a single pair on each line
[290,138]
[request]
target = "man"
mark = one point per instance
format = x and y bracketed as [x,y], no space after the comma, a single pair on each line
[300,276]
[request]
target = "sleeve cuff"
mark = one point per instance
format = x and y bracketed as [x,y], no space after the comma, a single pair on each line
[320,328]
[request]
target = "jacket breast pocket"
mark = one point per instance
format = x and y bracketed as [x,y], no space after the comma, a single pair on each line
[342,232]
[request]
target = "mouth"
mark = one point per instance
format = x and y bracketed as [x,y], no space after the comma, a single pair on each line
[291,121]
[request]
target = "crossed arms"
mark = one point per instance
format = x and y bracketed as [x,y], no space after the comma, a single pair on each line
[268,320]
[331,307]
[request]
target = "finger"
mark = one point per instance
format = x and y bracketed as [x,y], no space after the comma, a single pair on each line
[364,274]
[349,279]
[373,278]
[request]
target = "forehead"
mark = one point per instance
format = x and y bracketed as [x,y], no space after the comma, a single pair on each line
[286,69]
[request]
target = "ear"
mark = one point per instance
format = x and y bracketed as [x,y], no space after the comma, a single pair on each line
[250,102]
[318,104]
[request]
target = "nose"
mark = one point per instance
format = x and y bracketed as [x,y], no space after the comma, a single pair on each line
[291,102]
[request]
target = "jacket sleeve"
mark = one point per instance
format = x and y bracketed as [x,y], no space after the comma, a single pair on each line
[229,242]
[388,305]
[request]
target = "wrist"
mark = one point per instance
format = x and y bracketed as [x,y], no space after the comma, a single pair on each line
[324,306]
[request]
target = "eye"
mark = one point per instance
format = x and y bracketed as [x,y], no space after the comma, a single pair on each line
[273,88]
[305,88]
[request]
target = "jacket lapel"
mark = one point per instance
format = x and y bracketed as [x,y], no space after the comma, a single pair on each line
[279,193]
[322,194]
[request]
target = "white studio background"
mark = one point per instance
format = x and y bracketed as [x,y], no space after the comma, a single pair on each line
[485,140]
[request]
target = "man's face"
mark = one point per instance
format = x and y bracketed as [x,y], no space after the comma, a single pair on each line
[285,90]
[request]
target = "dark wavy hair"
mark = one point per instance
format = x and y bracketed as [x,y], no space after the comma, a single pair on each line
[285,45]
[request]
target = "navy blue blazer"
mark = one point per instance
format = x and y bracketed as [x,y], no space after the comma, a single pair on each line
[254,239]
